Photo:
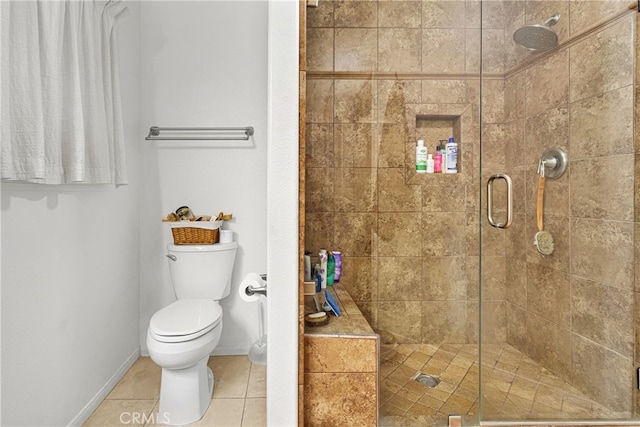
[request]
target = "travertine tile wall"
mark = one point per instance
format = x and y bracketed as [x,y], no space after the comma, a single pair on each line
[341,377]
[410,242]
[573,311]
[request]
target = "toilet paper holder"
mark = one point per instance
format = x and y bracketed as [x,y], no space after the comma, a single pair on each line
[262,290]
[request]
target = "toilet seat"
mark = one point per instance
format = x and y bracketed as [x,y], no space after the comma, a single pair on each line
[185,320]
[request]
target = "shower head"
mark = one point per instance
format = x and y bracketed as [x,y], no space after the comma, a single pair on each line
[538,37]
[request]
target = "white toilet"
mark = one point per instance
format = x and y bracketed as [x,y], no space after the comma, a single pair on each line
[182,335]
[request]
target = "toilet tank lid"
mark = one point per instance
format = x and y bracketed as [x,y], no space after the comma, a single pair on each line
[185,317]
[202,248]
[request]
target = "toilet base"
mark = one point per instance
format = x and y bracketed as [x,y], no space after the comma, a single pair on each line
[185,394]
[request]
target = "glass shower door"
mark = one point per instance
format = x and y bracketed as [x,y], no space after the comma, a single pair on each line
[556,333]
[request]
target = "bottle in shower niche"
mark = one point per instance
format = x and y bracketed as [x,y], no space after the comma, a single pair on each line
[452,156]
[437,160]
[421,157]
[443,150]
[430,164]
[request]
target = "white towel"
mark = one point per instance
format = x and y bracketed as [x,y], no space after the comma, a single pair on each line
[61,120]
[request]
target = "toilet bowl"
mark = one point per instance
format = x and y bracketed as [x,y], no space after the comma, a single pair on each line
[182,335]
[180,339]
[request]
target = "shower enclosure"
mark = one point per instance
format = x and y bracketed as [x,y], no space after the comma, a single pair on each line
[473,319]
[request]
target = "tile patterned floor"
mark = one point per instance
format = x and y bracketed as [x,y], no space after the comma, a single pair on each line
[514,387]
[239,395]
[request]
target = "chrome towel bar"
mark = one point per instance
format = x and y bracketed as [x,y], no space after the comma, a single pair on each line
[211,134]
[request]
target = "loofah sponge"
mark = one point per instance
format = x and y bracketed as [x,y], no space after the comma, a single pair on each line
[544,242]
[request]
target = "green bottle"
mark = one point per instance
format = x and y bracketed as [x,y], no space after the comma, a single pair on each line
[331,269]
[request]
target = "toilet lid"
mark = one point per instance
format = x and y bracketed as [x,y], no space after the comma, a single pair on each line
[186,317]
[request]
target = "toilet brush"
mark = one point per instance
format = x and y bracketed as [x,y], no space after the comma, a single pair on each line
[258,352]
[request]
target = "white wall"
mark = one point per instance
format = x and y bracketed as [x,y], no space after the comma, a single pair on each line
[282,249]
[204,64]
[84,268]
[70,281]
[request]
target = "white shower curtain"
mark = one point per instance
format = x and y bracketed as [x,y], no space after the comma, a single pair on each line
[60,114]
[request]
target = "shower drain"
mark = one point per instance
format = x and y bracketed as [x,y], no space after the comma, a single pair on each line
[426,379]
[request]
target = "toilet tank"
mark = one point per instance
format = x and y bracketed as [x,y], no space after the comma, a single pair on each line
[202,271]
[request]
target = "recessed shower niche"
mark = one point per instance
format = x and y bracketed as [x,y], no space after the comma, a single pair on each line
[438,122]
[433,129]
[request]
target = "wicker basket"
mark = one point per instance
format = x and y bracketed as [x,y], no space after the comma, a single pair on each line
[191,233]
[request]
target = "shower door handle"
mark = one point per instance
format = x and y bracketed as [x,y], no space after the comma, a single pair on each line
[492,221]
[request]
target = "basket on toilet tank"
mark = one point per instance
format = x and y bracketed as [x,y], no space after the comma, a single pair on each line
[195,232]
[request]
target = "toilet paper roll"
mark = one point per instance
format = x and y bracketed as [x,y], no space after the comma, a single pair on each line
[226,236]
[252,280]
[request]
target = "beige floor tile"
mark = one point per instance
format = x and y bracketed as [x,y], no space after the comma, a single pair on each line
[414,363]
[387,367]
[122,412]
[437,364]
[431,402]
[397,357]
[467,394]
[134,400]
[514,387]
[223,413]
[390,410]
[231,375]
[154,421]
[255,412]
[257,381]
[522,403]
[407,349]
[420,409]
[400,402]
[420,357]
[389,385]
[142,381]
[410,393]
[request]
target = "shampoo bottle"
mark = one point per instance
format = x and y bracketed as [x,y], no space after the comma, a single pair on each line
[452,156]
[323,267]
[421,157]
[331,269]
[307,266]
[338,257]
[443,151]
[430,164]
[437,160]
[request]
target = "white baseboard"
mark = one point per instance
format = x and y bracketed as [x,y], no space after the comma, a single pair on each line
[86,412]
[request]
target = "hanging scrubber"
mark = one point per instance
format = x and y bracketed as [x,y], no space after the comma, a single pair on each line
[543,240]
